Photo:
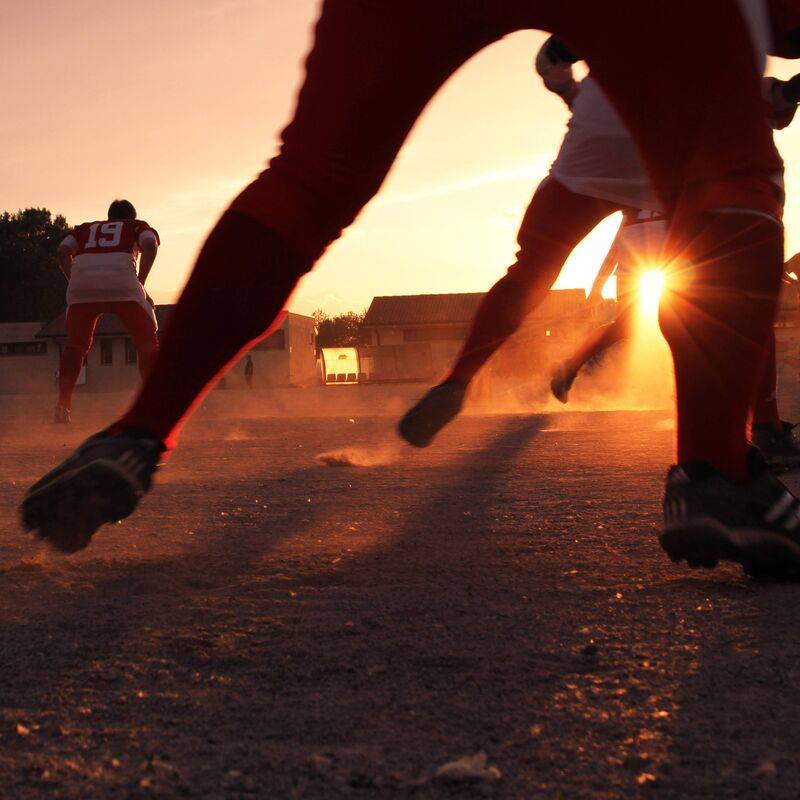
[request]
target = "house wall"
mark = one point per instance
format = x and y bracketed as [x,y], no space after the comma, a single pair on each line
[303,367]
[114,377]
[27,374]
[293,365]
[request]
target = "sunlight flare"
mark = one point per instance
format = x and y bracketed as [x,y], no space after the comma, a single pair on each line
[651,284]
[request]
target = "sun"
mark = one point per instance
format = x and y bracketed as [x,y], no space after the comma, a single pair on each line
[651,284]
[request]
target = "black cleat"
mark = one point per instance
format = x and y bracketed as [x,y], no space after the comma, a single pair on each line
[439,406]
[708,519]
[562,378]
[62,415]
[780,448]
[102,481]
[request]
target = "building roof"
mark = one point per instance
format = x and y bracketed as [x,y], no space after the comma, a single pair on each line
[110,324]
[18,331]
[443,309]
[423,309]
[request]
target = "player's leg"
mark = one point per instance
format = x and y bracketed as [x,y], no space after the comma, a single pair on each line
[373,68]
[556,220]
[774,437]
[598,341]
[141,325]
[81,320]
[709,151]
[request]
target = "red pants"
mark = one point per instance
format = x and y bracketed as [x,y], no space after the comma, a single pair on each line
[555,222]
[81,322]
[376,64]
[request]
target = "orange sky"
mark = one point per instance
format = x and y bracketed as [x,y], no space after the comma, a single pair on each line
[176,105]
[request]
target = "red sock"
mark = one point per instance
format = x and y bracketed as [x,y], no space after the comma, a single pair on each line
[68,370]
[716,315]
[765,407]
[243,277]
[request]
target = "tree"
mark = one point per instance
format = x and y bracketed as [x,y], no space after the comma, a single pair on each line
[32,287]
[340,331]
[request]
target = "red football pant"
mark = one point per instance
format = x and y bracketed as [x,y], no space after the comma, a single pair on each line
[717,312]
[376,64]
[81,322]
[555,222]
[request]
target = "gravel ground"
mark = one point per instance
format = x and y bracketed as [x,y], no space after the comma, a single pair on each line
[275,625]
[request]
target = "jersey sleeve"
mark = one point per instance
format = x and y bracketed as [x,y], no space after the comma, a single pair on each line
[147,233]
[70,241]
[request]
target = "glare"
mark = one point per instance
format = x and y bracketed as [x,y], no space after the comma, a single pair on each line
[651,285]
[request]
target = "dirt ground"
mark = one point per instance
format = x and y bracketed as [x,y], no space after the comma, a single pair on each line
[275,625]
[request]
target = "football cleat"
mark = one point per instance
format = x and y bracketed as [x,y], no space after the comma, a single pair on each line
[439,406]
[708,519]
[780,448]
[102,481]
[562,378]
[62,415]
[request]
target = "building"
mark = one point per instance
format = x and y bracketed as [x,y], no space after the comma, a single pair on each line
[417,337]
[27,365]
[30,352]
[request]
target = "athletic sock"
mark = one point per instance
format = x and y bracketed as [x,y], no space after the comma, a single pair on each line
[243,278]
[717,314]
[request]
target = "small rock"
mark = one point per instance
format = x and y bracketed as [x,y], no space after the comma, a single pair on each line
[766,769]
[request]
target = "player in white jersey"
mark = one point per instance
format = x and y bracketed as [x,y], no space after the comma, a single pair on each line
[597,172]
[99,261]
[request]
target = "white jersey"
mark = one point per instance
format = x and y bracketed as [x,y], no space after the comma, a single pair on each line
[104,261]
[598,157]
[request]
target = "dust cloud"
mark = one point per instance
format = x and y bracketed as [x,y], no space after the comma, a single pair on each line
[360,456]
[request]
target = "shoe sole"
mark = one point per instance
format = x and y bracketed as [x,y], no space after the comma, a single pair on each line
[68,510]
[704,542]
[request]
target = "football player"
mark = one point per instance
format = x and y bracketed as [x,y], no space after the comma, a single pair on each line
[99,261]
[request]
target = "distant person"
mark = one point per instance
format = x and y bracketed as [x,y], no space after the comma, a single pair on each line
[99,261]
[248,371]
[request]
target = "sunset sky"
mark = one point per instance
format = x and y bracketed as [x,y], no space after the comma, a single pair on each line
[176,105]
